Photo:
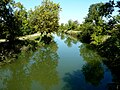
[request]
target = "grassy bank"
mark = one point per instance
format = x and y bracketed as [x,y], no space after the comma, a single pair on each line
[27,37]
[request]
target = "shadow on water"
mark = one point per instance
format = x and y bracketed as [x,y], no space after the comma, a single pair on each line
[111,50]
[9,51]
[93,69]
[91,74]
[33,70]
[74,81]
[95,74]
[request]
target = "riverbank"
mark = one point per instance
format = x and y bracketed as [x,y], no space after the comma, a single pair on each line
[77,34]
[26,37]
[70,57]
[71,32]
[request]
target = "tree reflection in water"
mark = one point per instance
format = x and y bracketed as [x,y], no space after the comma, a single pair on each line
[92,70]
[9,51]
[92,75]
[114,67]
[68,40]
[44,68]
[74,81]
[31,69]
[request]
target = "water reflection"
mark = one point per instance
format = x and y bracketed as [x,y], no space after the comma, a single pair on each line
[111,50]
[44,67]
[9,51]
[80,67]
[74,81]
[93,74]
[93,69]
[69,40]
[114,67]
[32,70]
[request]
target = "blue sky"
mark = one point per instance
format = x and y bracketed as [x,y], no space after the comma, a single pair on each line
[71,9]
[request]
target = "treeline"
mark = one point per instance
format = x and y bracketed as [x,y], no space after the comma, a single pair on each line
[16,21]
[101,28]
[71,25]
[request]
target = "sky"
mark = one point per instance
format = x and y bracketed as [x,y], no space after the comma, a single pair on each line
[71,9]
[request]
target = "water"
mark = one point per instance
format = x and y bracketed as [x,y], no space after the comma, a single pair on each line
[65,64]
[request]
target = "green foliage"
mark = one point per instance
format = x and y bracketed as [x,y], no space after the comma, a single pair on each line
[97,40]
[71,25]
[87,29]
[92,70]
[100,24]
[94,15]
[62,27]
[22,16]
[9,24]
[16,21]
[45,17]
[93,26]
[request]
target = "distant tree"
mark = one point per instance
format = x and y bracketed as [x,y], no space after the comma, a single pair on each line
[61,27]
[72,25]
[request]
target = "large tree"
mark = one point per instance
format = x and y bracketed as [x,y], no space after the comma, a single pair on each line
[103,22]
[94,15]
[9,24]
[93,25]
[22,15]
[45,17]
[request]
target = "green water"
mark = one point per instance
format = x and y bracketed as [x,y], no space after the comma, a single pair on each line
[64,64]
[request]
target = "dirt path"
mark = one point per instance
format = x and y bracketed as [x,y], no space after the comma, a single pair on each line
[30,37]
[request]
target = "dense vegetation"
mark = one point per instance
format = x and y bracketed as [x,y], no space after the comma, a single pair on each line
[16,21]
[101,28]
[71,25]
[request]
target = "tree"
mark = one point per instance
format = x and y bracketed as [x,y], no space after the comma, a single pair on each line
[45,17]
[8,22]
[87,31]
[101,27]
[94,15]
[22,15]
[62,27]
[112,25]
[92,70]
[94,25]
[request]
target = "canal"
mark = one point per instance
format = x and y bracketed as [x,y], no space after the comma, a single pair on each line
[64,64]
